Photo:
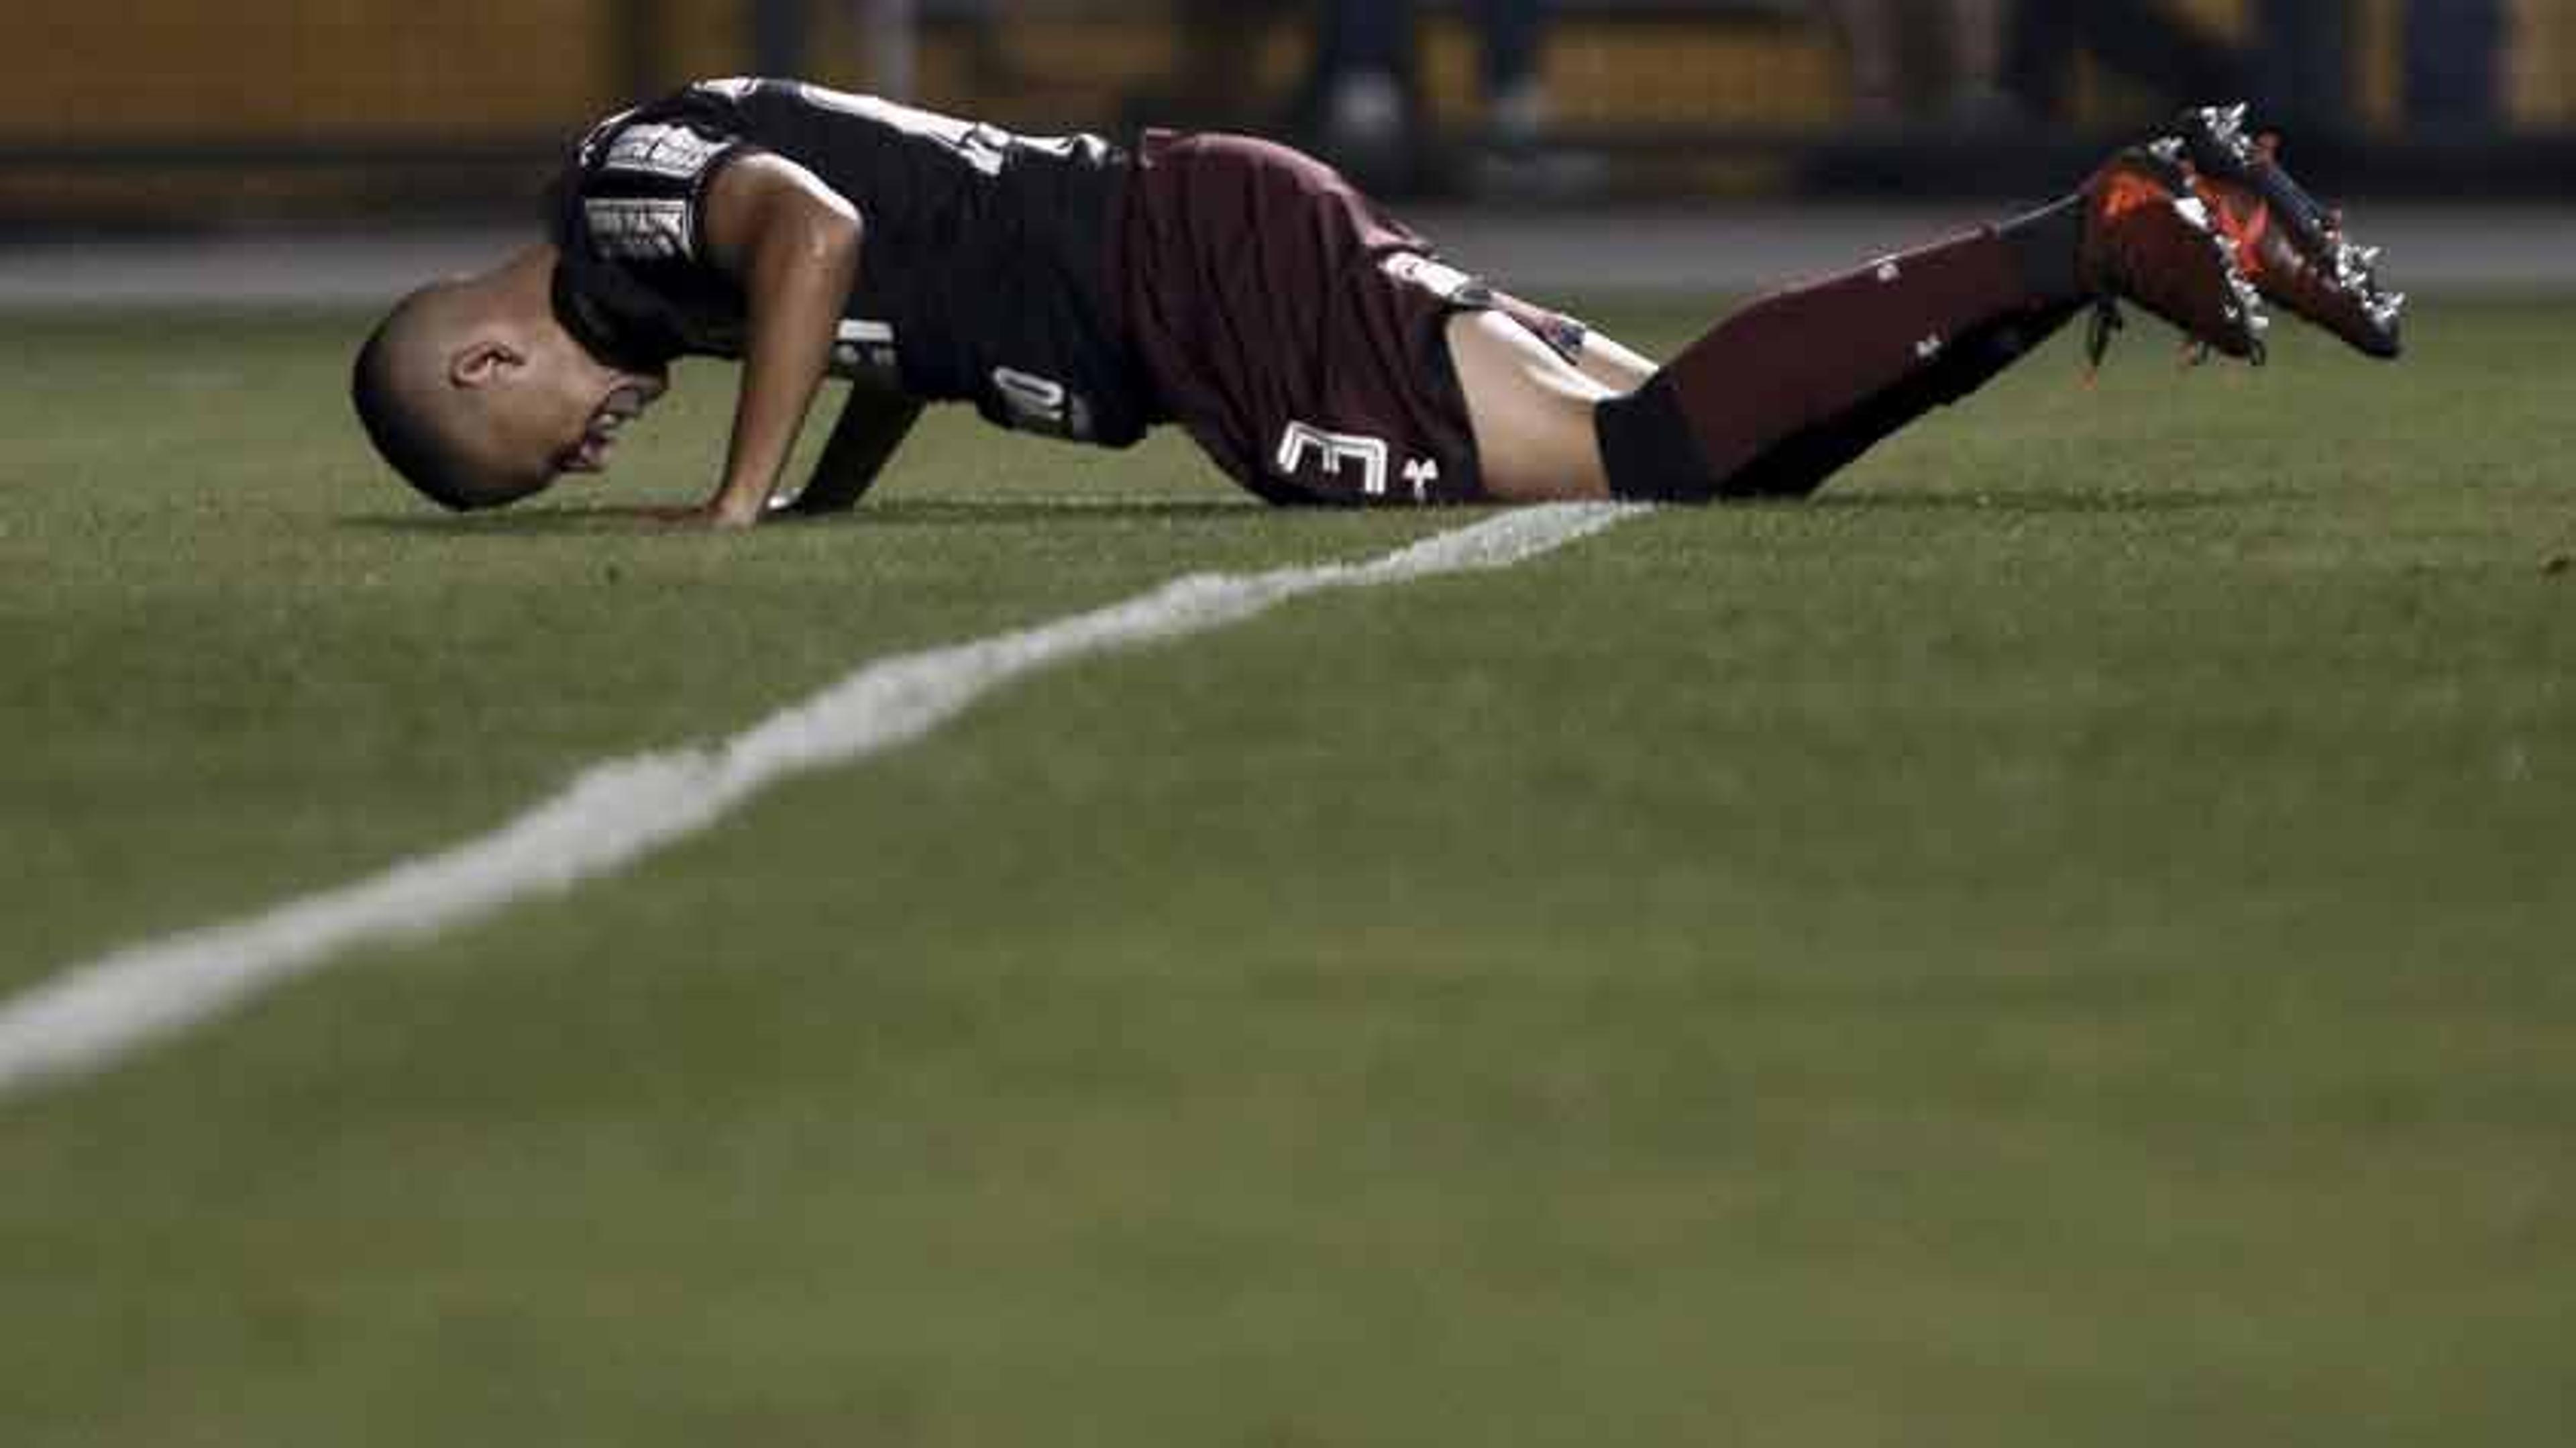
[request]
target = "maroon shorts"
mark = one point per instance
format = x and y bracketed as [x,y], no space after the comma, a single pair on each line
[1298,332]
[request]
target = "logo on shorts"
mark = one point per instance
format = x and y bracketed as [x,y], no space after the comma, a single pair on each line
[1339,449]
[864,349]
[1041,404]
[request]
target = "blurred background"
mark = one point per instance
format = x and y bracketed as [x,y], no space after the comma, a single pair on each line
[153,114]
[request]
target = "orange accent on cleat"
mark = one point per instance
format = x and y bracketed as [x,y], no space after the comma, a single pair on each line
[2247,232]
[2149,238]
[2124,192]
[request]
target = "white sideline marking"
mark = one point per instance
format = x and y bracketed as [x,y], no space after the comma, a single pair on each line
[87,1016]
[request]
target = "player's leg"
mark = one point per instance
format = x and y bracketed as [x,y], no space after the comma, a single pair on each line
[1532,378]
[1530,409]
[1613,364]
[1779,395]
[1537,421]
[1828,368]
[1786,391]
[1800,463]
[1783,394]
[1603,359]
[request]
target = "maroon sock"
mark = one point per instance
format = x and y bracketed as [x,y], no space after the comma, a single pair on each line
[1800,358]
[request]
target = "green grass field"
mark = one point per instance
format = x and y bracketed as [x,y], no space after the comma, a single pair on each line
[2070,939]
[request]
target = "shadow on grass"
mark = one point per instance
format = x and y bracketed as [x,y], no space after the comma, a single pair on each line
[948,512]
[627,521]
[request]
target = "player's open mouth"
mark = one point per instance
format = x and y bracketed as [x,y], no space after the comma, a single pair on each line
[623,404]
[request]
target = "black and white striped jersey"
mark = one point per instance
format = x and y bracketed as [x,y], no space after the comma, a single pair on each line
[984,275]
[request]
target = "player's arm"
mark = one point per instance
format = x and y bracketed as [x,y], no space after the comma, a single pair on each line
[874,422]
[792,244]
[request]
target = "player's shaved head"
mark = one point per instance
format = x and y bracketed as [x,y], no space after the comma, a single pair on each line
[426,426]
[477,395]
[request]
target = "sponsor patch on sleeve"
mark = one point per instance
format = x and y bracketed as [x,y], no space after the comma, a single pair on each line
[673,152]
[655,230]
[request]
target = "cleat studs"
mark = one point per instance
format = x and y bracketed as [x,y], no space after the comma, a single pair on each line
[2221,130]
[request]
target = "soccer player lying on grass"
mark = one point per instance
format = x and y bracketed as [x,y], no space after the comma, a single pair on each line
[1315,348]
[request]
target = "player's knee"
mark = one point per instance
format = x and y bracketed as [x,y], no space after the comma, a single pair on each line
[1648,450]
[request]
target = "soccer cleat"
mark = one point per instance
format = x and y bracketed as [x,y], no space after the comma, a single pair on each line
[2293,248]
[2148,237]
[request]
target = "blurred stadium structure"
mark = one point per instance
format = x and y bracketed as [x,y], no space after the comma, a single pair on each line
[167,111]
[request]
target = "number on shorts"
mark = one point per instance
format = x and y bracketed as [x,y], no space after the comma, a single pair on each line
[1338,449]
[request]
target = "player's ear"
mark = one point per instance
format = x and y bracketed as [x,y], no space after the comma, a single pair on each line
[480,364]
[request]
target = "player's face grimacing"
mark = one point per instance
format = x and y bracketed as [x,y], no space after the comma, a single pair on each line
[624,403]
[478,394]
[547,407]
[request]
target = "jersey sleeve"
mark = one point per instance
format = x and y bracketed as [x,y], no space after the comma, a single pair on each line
[642,189]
